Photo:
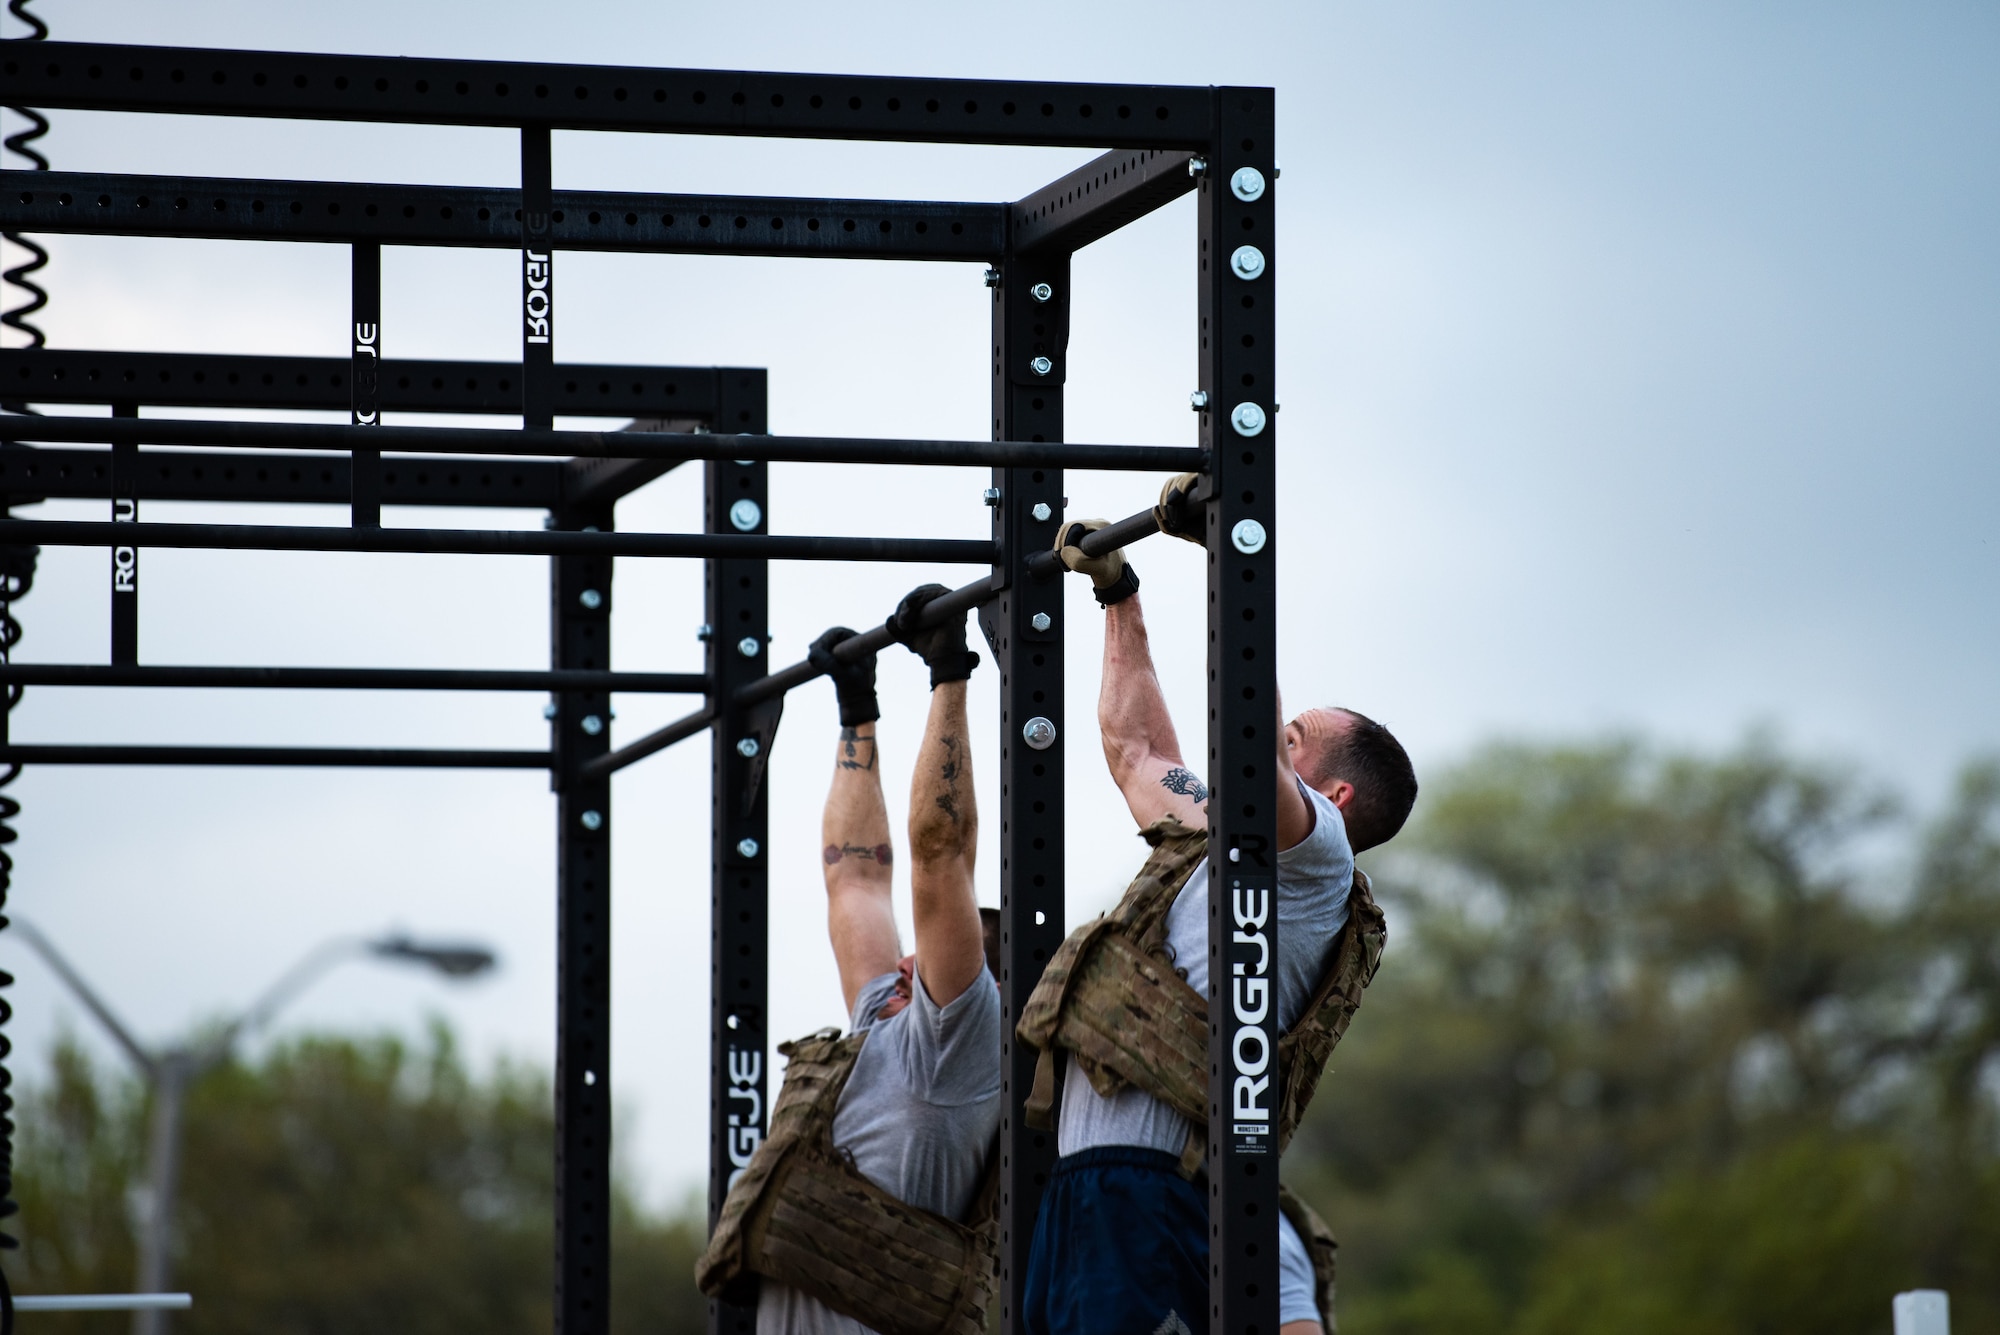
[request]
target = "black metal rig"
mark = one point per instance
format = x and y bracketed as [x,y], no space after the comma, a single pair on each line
[1161,142]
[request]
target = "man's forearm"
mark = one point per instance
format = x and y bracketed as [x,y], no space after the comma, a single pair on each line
[944,822]
[1131,709]
[855,827]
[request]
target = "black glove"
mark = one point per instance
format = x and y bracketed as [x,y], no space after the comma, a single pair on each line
[853,682]
[1177,513]
[942,647]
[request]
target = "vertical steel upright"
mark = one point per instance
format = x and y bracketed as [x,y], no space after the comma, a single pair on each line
[538,282]
[1238,427]
[580,635]
[125,557]
[364,379]
[1024,627]
[737,500]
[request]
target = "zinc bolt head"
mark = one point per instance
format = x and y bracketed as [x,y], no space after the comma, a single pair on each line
[1039,733]
[1247,262]
[1247,184]
[745,515]
[592,725]
[1042,511]
[704,632]
[591,599]
[593,820]
[549,711]
[991,496]
[748,646]
[1197,165]
[747,748]
[1040,621]
[1248,419]
[1041,292]
[1198,400]
[1041,366]
[747,848]
[992,278]
[1248,537]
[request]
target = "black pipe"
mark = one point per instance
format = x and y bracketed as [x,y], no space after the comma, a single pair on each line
[600,444]
[1047,565]
[613,761]
[940,609]
[352,679]
[489,542]
[336,756]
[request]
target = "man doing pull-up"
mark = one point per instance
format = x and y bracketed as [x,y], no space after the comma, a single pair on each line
[1121,1242]
[918,1110]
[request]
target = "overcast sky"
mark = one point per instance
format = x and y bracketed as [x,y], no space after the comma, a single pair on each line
[1638,366]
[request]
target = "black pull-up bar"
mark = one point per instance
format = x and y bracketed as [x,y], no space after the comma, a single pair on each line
[1042,565]
[678,446]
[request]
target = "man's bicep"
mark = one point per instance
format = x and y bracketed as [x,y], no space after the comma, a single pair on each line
[861,923]
[1157,787]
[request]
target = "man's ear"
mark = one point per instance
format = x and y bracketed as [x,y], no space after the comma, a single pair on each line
[1341,794]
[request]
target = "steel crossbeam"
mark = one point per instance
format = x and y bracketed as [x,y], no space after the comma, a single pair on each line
[106,77]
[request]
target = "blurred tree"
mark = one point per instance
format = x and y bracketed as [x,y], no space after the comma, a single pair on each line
[1670,1043]
[337,1185]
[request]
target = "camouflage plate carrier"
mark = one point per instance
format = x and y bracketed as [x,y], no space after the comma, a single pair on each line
[801,1214]
[1113,999]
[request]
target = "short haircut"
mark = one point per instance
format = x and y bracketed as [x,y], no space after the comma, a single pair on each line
[1385,784]
[989,929]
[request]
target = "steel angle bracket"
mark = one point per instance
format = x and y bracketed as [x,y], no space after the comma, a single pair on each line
[760,726]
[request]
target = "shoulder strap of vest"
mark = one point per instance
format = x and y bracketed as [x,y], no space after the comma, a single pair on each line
[1304,1049]
[1322,1248]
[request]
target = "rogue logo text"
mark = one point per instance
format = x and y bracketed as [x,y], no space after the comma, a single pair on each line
[1250,1006]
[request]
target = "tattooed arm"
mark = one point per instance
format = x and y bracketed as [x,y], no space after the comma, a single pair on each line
[1140,744]
[944,832]
[855,855]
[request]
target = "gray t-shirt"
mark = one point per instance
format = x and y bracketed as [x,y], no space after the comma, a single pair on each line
[919,1114]
[1314,877]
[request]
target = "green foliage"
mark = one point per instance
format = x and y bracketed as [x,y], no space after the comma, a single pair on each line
[337,1185]
[1670,1043]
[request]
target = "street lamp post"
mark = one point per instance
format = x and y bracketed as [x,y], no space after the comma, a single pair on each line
[169,1072]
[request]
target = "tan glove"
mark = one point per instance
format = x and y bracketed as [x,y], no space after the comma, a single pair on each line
[1177,513]
[1112,577]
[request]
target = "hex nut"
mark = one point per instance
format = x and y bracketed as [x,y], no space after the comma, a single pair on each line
[747,748]
[591,725]
[704,631]
[1041,292]
[593,820]
[1197,165]
[1248,419]
[992,278]
[747,847]
[1248,537]
[1041,366]
[745,515]
[1039,733]
[991,495]
[591,599]
[1040,621]
[1198,400]
[1247,262]
[748,646]
[549,711]
[1247,184]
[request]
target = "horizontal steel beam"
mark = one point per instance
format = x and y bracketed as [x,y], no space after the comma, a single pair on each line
[489,542]
[104,77]
[43,473]
[201,380]
[602,444]
[339,757]
[351,679]
[592,771]
[1098,198]
[102,204]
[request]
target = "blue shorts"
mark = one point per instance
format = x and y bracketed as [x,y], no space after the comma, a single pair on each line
[1121,1248]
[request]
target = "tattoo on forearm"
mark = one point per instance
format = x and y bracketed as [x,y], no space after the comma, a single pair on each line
[948,800]
[1184,782]
[856,751]
[880,853]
